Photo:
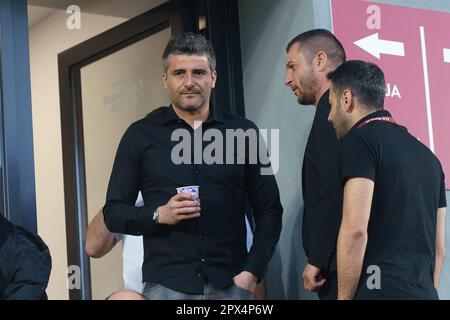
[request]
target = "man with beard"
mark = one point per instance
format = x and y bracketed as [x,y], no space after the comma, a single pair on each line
[391,243]
[311,55]
[188,254]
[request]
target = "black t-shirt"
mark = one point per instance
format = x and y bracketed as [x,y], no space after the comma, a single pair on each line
[409,189]
[212,247]
[25,264]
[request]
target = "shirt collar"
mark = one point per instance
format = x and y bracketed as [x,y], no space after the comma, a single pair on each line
[166,115]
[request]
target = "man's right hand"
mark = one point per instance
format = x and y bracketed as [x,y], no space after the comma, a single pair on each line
[179,208]
[312,278]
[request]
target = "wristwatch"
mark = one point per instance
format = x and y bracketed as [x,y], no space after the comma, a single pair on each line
[156,216]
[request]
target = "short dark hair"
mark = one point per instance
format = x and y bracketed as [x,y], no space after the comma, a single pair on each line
[313,41]
[364,79]
[189,44]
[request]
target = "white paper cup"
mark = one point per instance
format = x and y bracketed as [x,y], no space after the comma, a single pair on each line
[194,190]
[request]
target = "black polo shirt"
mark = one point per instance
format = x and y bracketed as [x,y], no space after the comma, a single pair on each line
[211,247]
[322,191]
[409,188]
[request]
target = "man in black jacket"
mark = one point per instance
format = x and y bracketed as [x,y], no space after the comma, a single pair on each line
[25,264]
[311,55]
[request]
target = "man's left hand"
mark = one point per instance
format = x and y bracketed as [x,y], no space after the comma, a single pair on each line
[246,280]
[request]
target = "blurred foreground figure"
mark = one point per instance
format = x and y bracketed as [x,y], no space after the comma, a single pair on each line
[25,264]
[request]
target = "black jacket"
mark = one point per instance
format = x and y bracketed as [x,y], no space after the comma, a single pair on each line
[25,264]
[322,191]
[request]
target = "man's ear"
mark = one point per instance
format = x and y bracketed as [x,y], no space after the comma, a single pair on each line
[347,101]
[164,77]
[320,61]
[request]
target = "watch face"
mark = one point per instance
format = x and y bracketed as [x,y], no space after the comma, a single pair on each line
[155,216]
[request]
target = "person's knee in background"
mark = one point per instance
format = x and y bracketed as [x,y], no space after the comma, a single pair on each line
[126,295]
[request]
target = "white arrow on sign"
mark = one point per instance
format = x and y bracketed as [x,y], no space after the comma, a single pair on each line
[447,55]
[375,46]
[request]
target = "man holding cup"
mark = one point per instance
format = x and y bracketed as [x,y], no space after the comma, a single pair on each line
[194,246]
